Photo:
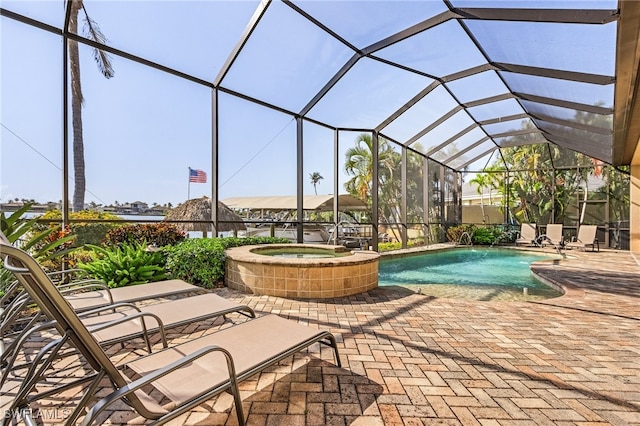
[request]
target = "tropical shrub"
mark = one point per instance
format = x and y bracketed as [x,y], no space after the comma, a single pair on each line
[157,234]
[397,245]
[479,234]
[87,232]
[78,256]
[125,264]
[42,243]
[46,244]
[200,261]
[483,236]
[454,233]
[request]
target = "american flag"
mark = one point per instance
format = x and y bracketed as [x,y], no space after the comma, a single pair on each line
[197,176]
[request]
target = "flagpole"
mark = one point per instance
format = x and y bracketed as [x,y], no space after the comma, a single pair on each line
[189,183]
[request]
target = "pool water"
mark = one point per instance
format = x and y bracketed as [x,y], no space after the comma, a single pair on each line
[471,273]
[301,253]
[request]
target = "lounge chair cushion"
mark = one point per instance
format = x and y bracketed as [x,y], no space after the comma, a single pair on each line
[587,237]
[527,234]
[270,333]
[134,293]
[173,314]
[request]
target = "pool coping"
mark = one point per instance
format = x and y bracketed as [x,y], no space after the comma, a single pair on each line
[246,254]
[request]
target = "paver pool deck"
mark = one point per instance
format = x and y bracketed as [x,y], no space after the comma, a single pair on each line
[411,359]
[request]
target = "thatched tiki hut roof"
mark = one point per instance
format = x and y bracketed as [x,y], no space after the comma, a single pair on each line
[198,211]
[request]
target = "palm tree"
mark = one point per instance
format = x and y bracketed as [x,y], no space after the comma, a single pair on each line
[359,165]
[481,181]
[315,180]
[92,31]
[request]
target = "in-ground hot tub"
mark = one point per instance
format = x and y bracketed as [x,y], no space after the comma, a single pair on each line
[301,270]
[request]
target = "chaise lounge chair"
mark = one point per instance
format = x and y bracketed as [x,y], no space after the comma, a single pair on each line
[586,238]
[203,305]
[527,234]
[82,298]
[553,236]
[123,322]
[112,323]
[115,323]
[187,374]
[88,294]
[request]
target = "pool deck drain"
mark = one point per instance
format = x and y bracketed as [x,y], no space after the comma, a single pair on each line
[412,359]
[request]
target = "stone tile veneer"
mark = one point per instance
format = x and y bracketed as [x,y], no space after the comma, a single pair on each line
[251,272]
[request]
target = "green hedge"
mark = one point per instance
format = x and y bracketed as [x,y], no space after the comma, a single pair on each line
[480,235]
[87,232]
[157,234]
[397,245]
[200,261]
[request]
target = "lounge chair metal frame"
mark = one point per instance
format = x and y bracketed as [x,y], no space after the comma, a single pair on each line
[584,241]
[10,351]
[114,295]
[73,332]
[553,236]
[528,232]
[13,302]
[73,282]
[16,327]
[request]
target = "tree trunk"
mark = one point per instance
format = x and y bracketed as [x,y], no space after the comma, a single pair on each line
[76,111]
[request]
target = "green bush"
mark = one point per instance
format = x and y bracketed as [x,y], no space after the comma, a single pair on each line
[125,264]
[77,256]
[483,236]
[454,233]
[397,245]
[157,234]
[479,235]
[87,232]
[490,235]
[505,237]
[47,244]
[200,261]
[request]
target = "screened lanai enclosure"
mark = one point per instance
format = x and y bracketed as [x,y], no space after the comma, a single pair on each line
[399,104]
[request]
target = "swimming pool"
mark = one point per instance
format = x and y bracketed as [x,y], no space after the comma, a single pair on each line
[471,273]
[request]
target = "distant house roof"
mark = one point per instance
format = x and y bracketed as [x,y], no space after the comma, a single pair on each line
[289,202]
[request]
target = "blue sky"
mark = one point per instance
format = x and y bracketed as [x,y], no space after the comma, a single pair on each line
[144,128]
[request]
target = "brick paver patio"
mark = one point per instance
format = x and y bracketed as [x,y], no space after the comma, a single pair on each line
[411,359]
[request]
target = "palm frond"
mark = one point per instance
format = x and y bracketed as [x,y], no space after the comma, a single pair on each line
[92,31]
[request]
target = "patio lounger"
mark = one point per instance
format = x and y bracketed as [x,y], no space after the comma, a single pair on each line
[158,317]
[14,301]
[527,234]
[187,374]
[87,294]
[82,298]
[586,238]
[117,323]
[553,236]
[122,322]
